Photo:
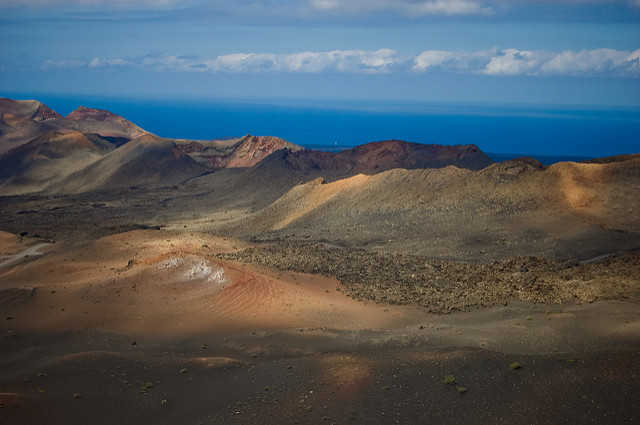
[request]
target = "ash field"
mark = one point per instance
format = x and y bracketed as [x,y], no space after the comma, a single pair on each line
[249,280]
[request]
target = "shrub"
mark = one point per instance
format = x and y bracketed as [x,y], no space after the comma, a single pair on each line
[449,380]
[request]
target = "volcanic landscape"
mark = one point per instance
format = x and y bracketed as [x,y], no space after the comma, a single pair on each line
[251,281]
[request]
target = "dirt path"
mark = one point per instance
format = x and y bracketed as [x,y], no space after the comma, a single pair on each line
[32,251]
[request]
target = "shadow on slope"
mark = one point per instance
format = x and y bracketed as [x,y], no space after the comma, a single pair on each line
[48,159]
[145,162]
[568,210]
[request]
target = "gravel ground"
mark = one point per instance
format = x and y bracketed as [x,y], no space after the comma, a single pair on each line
[443,286]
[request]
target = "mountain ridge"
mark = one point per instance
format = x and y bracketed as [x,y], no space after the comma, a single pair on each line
[24,120]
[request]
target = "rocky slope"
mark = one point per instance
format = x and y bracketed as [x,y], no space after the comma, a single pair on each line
[271,159]
[564,211]
[444,286]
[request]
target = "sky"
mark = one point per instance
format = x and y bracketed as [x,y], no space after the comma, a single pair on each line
[560,52]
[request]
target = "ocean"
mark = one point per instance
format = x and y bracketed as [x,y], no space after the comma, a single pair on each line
[549,133]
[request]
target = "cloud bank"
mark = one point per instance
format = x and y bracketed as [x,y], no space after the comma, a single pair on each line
[492,62]
[409,8]
[313,8]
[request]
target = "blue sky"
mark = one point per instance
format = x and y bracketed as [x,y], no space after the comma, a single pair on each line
[571,52]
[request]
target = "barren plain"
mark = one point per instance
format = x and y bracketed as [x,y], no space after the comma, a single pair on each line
[250,281]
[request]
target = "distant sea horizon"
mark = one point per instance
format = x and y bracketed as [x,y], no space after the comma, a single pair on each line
[549,133]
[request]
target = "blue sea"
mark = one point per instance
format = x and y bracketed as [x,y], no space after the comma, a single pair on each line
[549,133]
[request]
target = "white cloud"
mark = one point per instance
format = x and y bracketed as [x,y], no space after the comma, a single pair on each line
[448,61]
[343,61]
[340,61]
[409,8]
[100,63]
[63,64]
[513,62]
[586,62]
[89,3]
[406,8]
[493,62]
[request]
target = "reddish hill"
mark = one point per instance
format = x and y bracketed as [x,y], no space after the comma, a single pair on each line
[244,152]
[99,121]
[371,158]
[44,113]
[84,113]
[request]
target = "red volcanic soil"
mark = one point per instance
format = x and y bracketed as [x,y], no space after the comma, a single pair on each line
[152,273]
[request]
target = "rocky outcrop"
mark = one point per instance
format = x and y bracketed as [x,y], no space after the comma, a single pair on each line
[244,152]
[253,149]
[44,113]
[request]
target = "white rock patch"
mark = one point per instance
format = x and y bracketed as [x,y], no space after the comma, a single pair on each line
[171,264]
[196,269]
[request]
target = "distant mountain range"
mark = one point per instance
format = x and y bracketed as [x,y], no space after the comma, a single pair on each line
[95,170]
[94,150]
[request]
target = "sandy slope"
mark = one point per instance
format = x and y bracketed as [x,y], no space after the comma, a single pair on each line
[148,327]
[144,285]
[567,211]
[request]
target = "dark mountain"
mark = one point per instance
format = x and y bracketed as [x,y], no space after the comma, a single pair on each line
[47,159]
[146,162]
[22,121]
[370,158]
